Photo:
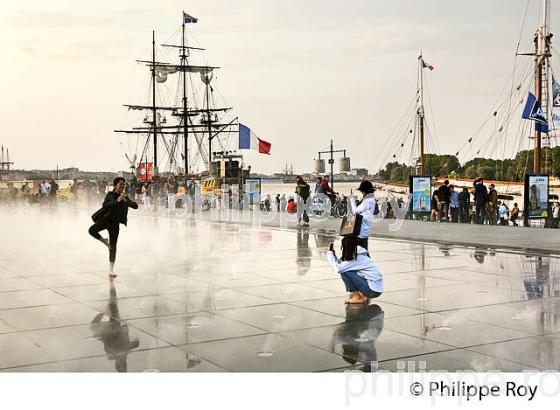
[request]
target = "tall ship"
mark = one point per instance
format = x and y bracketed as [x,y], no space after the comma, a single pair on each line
[518,136]
[183,128]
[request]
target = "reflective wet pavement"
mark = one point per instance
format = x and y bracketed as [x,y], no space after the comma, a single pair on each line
[202,296]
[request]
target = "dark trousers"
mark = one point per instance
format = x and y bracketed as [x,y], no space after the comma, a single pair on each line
[480,213]
[443,211]
[113,229]
[464,214]
[454,214]
[355,283]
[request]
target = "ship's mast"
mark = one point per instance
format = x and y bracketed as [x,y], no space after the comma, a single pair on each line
[420,112]
[206,124]
[5,162]
[542,53]
[185,118]
[154,110]
[209,119]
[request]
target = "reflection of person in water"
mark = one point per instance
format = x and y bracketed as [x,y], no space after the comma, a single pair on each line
[113,332]
[324,238]
[355,338]
[479,255]
[535,286]
[303,252]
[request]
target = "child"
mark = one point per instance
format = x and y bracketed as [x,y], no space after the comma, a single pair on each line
[292,206]
[360,275]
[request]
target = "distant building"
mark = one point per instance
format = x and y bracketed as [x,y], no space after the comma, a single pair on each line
[359,172]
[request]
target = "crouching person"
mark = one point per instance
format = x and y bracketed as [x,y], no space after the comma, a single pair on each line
[362,277]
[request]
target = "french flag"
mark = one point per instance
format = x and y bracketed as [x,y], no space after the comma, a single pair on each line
[426,65]
[249,140]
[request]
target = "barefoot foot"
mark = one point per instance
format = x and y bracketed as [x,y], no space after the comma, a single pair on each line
[364,298]
[354,299]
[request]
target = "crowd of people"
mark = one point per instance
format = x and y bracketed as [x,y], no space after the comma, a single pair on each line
[479,205]
[448,204]
[49,192]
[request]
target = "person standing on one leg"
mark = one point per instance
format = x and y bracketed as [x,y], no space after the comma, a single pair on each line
[113,212]
[361,276]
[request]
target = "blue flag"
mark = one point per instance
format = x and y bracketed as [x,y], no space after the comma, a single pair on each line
[533,112]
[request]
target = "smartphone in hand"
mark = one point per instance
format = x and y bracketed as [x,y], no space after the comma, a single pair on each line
[331,247]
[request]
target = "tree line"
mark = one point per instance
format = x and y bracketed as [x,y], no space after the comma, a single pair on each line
[449,166]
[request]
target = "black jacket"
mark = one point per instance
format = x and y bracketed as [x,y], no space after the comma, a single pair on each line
[117,211]
[464,198]
[480,194]
[444,193]
[303,190]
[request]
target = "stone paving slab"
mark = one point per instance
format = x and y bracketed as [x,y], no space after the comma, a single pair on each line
[211,296]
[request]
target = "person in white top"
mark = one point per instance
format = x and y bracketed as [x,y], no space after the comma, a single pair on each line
[503,212]
[366,208]
[362,277]
[555,215]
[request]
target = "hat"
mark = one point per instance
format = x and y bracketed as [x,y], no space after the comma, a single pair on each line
[366,187]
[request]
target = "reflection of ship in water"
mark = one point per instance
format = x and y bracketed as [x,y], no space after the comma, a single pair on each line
[114,333]
[355,338]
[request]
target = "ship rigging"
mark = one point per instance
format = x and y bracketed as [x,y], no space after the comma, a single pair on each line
[196,120]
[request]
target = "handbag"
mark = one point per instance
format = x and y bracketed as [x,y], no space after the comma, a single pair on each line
[100,214]
[351,225]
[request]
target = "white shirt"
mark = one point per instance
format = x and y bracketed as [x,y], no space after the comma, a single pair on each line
[367,210]
[502,211]
[362,265]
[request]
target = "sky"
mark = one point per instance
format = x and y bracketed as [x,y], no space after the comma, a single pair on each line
[299,73]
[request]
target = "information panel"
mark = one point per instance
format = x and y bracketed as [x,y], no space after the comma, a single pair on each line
[536,196]
[421,189]
[253,190]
